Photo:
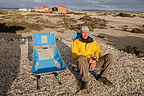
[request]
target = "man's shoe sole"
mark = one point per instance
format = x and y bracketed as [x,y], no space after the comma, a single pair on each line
[84,90]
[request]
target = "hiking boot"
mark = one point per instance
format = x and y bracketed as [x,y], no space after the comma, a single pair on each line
[98,77]
[106,81]
[84,86]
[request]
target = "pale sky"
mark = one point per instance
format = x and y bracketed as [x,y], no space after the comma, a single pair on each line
[129,5]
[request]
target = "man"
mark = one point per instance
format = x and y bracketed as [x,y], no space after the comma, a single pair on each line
[88,55]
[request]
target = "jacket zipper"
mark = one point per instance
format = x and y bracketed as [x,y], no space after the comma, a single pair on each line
[85,46]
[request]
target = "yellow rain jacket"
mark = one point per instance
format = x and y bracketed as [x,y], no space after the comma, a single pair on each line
[85,49]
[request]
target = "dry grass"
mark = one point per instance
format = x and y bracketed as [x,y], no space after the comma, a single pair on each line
[3,12]
[23,23]
[76,13]
[59,16]
[124,28]
[29,22]
[141,16]
[34,15]
[132,30]
[92,23]
[67,22]
[46,23]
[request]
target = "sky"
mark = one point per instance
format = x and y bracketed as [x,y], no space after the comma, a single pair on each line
[126,5]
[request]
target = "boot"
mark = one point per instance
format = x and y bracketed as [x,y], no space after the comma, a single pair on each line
[84,86]
[104,80]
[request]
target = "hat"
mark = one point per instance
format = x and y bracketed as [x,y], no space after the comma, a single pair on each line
[84,29]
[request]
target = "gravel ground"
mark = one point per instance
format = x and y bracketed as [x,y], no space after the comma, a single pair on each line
[127,72]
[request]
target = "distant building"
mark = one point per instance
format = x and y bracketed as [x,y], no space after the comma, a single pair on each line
[59,9]
[38,9]
[45,9]
[50,10]
[25,9]
[42,9]
[56,9]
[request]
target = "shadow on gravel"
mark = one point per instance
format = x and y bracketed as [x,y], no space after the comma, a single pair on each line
[10,55]
[30,48]
[65,52]
[10,29]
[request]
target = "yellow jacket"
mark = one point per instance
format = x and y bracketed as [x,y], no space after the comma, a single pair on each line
[88,50]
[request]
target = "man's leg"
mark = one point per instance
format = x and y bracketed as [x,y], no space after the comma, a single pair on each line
[105,62]
[83,66]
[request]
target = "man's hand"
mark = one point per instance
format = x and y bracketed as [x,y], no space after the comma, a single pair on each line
[92,64]
[92,61]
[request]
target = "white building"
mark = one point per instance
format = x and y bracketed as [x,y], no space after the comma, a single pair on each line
[25,9]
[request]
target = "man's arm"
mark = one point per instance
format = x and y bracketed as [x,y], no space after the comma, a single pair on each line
[75,50]
[97,52]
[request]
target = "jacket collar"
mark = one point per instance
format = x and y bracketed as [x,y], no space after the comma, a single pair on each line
[88,40]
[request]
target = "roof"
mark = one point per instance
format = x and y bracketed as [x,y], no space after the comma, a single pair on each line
[60,6]
[44,6]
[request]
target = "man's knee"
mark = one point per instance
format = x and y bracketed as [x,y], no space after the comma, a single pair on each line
[81,60]
[81,57]
[110,56]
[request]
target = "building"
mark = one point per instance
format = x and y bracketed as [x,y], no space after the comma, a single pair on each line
[24,9]
[45,9]
[38,9]
[42,9]
[59,9]
[50,10]
[56,9]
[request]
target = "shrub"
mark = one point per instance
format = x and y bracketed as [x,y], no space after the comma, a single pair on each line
[77,27]
[27,25]
[60,16]
[3,12]
[23,31]
[95,22]
[142,16]
[86,18]
[125,15]
[8,17]
[1,19]
[101,36]
[34,26]
[34,15]
[67,22]
[137,30]
[50,25]
[124,28]
[75,13]
[92,23]
[131,49]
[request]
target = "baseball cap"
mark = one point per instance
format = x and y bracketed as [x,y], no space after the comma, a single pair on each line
[84,29]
